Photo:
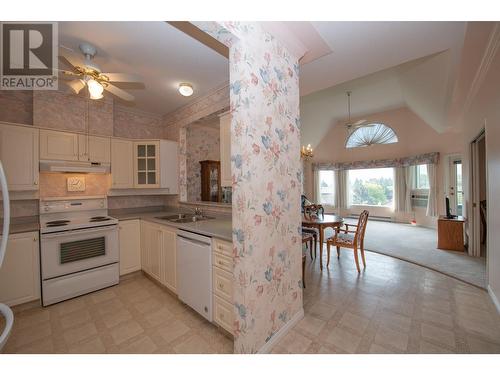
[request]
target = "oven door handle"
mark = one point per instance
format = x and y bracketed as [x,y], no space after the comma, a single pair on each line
[82,231]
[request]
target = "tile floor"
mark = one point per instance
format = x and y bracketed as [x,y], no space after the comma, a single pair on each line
[136,316]
[391,307]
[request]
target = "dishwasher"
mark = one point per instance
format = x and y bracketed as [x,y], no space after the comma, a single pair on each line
[194,271]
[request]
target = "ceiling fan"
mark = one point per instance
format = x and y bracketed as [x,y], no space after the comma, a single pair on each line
[349,125]
[85,72]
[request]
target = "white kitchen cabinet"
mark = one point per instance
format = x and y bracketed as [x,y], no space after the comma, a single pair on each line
[146,164]
[94,149]
[20,273]
[159,252]
[19,155]
[122,164]
[130,246]
[168,257]
[150,249]
[56,145]
[225,150]
[222,279]
[169,166]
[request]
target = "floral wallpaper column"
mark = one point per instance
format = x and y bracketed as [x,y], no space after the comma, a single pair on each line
[267,182]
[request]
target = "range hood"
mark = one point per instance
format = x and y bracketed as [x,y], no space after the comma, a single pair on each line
[74,166]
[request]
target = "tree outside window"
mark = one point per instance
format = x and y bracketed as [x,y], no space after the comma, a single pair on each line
[371,187]
[421,177]
[326,188]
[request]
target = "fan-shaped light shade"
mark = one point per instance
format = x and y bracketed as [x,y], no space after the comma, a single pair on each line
[95,89]
[370,134]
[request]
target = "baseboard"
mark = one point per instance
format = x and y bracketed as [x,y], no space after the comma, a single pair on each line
[494,298]
[268,346]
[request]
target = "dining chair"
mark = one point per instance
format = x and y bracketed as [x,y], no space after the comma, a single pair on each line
[315,233]
[306,239]
[351,239]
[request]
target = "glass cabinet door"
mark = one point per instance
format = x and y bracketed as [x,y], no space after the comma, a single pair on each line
[147,164]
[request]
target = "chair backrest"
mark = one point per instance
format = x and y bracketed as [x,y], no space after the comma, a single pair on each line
[363,219]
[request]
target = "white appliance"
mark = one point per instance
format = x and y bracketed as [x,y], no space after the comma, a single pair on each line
[4,309]
[194,272]
[79,249]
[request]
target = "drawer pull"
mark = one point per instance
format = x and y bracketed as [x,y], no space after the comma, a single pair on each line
[221,286]
[221,262]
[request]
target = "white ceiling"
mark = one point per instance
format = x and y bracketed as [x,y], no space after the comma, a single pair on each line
[362,48]
[162,55]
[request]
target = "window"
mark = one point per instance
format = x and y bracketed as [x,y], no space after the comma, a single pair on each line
[421,178]
[458,184]
[326,188]
[371,187]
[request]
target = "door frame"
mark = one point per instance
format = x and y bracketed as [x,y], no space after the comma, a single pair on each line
[475,213]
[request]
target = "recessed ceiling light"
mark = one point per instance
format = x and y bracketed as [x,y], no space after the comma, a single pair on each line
[185,89]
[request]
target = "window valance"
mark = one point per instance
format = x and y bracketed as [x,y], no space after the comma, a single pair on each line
[429,158]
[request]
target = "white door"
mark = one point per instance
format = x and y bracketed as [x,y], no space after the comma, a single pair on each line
[122,164]
[130,246]
[20,273]
[55,145]
[19,155]
[94,149]
[225,150]
[168,258]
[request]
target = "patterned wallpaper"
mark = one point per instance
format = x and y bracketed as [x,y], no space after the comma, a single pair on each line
[16,106]
[203,143]
[265,154]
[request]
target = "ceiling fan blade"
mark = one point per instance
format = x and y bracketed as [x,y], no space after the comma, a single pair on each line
[66,74]
[76,85]
[70,57]
[122,77]
[122,94]
[359,122]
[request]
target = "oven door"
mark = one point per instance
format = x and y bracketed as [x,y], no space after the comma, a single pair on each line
[64,253]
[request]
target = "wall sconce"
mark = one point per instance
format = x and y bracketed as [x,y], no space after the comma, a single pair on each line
[306,152]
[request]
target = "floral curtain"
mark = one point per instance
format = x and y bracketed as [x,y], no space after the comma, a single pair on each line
[400,189]
[341,199]
[429,158]
[409,177]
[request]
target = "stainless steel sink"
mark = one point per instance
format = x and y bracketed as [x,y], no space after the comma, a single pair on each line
[184,218]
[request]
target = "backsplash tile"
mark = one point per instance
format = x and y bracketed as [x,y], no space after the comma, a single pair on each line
[20,208]
[54,184]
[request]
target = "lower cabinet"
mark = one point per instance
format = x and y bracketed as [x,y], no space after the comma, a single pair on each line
[222,278]
[20,273]
[158,253]
[130,246]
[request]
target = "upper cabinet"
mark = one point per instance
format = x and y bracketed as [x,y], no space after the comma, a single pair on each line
[122,164]
[147,157]
[156,165]
[94,149]
[56,145]
[225,150]
[19,155]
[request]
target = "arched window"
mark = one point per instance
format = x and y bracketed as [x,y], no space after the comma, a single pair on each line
[370,134]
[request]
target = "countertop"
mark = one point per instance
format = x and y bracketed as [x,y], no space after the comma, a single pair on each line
[219,227]
[22,224]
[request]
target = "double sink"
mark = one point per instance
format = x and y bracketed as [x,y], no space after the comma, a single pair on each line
[184,218]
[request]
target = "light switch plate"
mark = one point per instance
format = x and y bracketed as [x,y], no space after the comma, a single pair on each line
[76,184]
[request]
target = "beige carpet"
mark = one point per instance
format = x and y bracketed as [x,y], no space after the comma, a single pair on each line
[418,245]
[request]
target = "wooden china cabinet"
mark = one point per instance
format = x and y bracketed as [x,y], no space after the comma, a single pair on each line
[210,181]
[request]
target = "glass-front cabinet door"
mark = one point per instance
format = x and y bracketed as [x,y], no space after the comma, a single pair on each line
[146,166]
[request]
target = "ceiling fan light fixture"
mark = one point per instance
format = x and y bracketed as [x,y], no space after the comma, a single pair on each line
[95,89]
[186,89]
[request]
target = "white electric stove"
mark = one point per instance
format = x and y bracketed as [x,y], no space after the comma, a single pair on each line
[79,249]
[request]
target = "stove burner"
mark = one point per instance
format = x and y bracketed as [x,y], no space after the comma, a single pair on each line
[57,222]
[99,218]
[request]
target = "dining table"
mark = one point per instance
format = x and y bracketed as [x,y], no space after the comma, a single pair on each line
[321,223]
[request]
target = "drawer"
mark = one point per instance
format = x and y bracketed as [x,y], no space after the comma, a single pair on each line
[224,262]
[223,247]
[223,284]
[223,314]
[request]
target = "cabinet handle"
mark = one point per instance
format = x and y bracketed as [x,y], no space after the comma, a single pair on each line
[34,239]
[35,182]
[221,286]
[221,262]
